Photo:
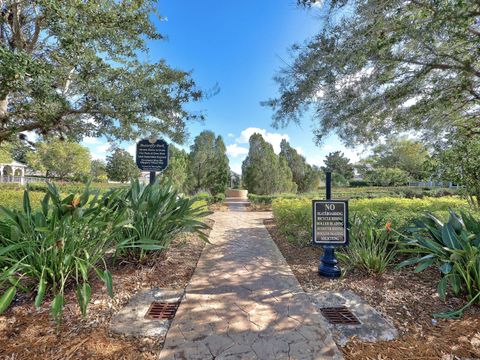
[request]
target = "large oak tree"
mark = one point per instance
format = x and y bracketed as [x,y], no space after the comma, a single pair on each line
[383,67]
[74,68]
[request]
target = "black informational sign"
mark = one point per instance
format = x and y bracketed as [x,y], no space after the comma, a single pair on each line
[330,222]
[152,156]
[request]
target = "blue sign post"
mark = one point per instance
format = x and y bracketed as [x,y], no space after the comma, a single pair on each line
[330,229]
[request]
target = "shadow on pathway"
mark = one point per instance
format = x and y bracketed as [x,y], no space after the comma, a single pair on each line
[244,302]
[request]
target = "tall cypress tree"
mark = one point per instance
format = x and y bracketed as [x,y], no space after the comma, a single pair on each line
[306,178]
[263,172]
[208,164]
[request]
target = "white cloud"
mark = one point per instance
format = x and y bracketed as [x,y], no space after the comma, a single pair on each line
[132,149]
[319,157]
[230,135]
[300,150]
[234,150]
[272,138]
[99,152]
[89,140]
[236,167]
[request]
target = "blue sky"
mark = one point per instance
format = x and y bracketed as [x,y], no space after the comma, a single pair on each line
[239,46]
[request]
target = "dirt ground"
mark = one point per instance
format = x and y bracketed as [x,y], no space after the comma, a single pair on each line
[29,334]
[407,299]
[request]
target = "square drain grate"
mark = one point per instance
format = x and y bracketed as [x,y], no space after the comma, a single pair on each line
[162,310]
[339,315]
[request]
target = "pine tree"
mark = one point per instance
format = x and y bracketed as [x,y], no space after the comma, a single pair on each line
[208,166]
[306,178]
[264,172]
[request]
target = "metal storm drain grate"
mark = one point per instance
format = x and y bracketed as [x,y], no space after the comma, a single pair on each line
[162,310]
[339,315]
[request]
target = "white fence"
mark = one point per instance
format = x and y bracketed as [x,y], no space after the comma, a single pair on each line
[21,179]
[443,184]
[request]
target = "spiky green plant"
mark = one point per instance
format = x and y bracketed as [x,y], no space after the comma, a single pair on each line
[157,213]
[58,245]
[454,248]
[371,246]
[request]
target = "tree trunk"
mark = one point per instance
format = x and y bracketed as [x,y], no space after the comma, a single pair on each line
[3,109]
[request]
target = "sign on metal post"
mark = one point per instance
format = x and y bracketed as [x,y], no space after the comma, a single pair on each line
[330,222]
[152,155]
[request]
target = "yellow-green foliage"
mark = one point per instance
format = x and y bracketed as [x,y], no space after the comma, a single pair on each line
[294,216]
[13,199]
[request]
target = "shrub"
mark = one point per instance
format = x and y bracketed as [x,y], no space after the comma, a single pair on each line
[56,246]
[72,187]
[358,183]
[11,186]
[12,199]
[218,198]
[454,248]
[156,213]
[387,177]
[294,216]
[371,245]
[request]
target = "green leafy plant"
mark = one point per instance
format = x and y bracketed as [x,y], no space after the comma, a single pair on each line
[157,213]
[372,247]
[59,245]
[454,248]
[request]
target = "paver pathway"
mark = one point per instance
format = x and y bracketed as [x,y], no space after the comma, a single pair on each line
[243,301]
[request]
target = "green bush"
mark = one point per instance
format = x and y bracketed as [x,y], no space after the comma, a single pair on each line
[72,187]
[454,248]
[218,198]
[12,199]
[210,199]
[358,183]
[156,214]
[11,186]
[369,192]
[55,246]
[64,242]
[294,216]
[387,177]
[267,199]
[372,246]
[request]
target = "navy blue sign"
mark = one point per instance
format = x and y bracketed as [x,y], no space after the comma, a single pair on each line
[152,156]
[330,222]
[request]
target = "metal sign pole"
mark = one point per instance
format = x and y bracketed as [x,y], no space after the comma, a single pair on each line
[328,266]
[152,177]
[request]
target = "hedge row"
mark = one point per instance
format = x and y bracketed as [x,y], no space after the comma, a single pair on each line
[293,217]
[360,193]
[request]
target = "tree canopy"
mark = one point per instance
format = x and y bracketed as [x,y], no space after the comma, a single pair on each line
[410,156]
[383,67]
[457,160]
[208,164]
[264,172]
[121,166]
[62,159]
[177,170]
[73,68]
[337,162]
[303,174]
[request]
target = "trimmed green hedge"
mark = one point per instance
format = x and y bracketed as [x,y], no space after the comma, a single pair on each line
[13,199]
[210,199]
[293,217]
[368,192]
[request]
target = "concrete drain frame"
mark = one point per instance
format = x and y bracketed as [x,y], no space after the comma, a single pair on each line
[339,315]
[162,310]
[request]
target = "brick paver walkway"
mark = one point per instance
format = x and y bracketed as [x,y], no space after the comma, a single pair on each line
[244,302]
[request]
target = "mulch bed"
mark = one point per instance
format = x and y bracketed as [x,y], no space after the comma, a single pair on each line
[29,334]
[407,299]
